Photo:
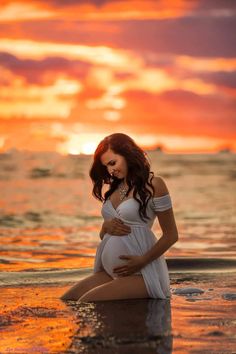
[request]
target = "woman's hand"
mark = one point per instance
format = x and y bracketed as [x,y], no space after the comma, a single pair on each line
[134,264]
[116,227]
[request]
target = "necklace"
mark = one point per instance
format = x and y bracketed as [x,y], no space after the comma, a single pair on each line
[122,190]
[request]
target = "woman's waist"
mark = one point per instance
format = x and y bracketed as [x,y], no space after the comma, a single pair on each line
[135,224]
[137,232]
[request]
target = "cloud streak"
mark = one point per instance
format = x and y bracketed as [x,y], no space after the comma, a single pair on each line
[143,67]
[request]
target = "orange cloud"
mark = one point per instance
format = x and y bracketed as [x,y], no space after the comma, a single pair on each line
[101,55]
[130,66]
[206,64]
[88,10]
[22,10]
[53,101]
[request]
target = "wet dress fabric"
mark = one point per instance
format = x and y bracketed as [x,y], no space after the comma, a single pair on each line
[139,241]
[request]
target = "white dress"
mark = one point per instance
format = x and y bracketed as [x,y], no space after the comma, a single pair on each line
[139,241]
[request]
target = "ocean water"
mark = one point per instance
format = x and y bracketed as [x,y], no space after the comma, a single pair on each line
[49,227]
[50,222]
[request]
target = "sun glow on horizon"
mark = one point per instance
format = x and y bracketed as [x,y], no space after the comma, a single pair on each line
[86,143]
[77,143]
[62,90]
[88,148]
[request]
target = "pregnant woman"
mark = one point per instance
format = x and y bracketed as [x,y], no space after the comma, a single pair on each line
[129,261]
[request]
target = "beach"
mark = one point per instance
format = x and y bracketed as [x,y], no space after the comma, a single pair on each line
[49,227]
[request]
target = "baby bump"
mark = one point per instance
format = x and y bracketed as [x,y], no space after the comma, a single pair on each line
[113,248]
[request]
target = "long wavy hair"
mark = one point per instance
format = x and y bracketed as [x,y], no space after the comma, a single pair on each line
[138,171]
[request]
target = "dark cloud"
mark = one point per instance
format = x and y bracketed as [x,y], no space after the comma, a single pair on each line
[200,37]
[33,70]
[182,112]
[220,78]
[215,5]
[71,32]
[197,4]
[63,3]
[12,62]
[192,36]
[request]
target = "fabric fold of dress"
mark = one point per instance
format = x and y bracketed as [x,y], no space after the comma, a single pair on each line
[139,241]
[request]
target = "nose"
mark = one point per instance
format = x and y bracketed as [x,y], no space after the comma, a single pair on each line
[111,171]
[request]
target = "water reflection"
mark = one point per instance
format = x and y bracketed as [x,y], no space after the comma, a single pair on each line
[137,325]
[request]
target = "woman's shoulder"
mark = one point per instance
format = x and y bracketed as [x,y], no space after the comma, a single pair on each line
[159,185]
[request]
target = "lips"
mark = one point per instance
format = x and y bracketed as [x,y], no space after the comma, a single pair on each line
[115,173]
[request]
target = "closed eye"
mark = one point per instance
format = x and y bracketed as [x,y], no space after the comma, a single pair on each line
[111,163]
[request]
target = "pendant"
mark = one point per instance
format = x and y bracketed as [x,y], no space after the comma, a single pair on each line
[122,191]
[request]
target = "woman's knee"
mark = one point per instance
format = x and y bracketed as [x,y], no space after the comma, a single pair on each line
[90,295]
[86,284]
[121,288]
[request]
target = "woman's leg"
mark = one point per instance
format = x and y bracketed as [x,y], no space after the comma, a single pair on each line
[85,285]
[130,287]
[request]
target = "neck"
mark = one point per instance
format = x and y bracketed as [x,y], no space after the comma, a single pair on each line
[124,183]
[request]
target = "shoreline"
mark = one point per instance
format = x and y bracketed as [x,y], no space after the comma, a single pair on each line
[176,266]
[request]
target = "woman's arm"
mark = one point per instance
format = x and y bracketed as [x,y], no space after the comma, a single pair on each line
[167,223]
[168,238]
[102,231]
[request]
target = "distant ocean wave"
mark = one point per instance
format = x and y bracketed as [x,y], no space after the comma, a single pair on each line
[56,276]
[49,218]
[44,219]
[42,277]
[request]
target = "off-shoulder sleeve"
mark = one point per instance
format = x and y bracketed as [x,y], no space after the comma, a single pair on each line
[161,203]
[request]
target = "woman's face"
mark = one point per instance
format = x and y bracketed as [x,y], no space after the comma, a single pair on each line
[115,164]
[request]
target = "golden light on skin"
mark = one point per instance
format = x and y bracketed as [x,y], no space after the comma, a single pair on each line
[206,64]
[28,49]
[30,101]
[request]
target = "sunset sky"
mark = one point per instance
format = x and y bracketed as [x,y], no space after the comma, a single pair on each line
[72,72]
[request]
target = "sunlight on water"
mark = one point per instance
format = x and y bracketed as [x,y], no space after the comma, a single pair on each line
[49,227]
[49,218]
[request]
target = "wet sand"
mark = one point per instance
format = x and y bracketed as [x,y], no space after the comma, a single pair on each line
[197,319]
